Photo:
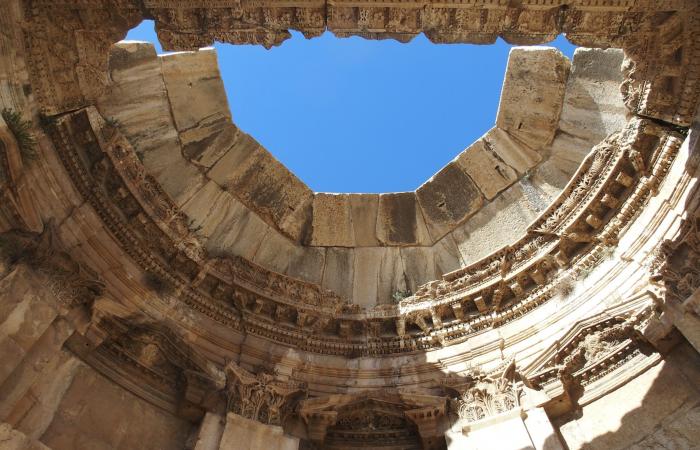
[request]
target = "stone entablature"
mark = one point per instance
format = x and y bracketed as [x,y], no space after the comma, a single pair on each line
[182,323]
[371,248]
[606,193]
[658,37]
[220,175]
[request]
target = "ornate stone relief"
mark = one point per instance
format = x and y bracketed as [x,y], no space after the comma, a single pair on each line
[260,396]
[593,351]
[68,46]
[677,266]
[170,371]
[580,224]
[386,418]
[489,395]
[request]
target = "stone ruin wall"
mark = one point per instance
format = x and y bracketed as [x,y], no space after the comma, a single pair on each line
[128,318]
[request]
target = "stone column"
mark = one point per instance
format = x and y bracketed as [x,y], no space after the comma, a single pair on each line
[42,358]
[686,318]
[542,434]
[245,434]
[210,432]
[513,430]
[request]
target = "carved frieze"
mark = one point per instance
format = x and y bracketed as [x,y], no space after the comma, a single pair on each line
[393,417]
[251,299]
[168,370]
[593,350]
[68,45]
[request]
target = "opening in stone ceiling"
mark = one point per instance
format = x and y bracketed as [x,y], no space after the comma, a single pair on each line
[355,115]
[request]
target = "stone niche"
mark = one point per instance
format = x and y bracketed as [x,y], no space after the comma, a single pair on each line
[165,283]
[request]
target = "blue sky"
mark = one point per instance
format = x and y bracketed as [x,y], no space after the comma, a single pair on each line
[353,115]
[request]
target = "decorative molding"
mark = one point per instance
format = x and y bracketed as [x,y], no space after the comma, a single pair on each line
[390,417]
[593,349]
[491,292]
[68,46]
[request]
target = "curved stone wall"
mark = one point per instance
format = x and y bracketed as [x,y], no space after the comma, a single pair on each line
[104,278]
[241,201]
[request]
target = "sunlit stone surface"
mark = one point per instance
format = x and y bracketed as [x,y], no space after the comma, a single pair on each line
[166,283]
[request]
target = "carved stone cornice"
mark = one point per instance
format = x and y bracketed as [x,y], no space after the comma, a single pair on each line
[570,236]
[149,358]
[375,417]
[660,37]
[593,349]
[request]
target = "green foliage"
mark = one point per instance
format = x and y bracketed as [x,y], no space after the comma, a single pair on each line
[21,129]
[112,122]
[400,295]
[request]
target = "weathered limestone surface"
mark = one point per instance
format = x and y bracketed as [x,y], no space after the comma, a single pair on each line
[139,103]
[510,151]
[24,318]
[253,175]
[378,274]
[195,89]
[400,221]
[364,218]
[496,223]
[592,108]
[210,432]
[96,413]
[253,207]
[12,439]
[508,433]
[143,333]
[332,222]
[448,198]
[245,434]
[230,226]
[533,94]
[486,168]
[339,271]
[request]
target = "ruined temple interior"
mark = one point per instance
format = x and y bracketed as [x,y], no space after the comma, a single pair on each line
[166,283]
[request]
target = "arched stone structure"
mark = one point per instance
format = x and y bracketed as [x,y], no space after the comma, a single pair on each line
[134,314]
